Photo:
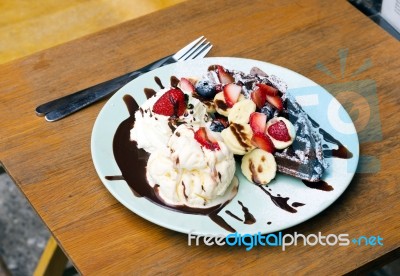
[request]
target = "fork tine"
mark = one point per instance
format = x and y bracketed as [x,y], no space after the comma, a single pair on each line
[204,52]
[191,51]
[187,48]
[201,52]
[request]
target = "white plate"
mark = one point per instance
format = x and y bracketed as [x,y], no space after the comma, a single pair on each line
[316,101]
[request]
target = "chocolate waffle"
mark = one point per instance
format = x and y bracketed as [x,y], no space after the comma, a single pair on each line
[304,159]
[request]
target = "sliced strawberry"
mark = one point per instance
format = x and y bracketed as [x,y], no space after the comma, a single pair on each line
[224,77]
[206,139]
[231,93]
[258,122]
[279,131]
[262,141]
[276,101]
[172,103]
[186,86]
[258,96]
[268,90]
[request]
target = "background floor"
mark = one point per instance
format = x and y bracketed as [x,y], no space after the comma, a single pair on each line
[22,234]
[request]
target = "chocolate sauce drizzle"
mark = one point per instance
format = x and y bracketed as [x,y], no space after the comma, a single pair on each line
[220,221]
[174,81]
[233,215]
[342,152]
[159,83]
[281,202]
[248,217]
[240,135]
[221,105]
[319,185]
[149,92]
[114,177]
[297,204]
[254,175]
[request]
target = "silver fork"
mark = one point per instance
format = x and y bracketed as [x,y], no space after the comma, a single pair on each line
[62,107]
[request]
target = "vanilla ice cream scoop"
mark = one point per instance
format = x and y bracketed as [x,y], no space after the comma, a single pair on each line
[186,173]
[152,131]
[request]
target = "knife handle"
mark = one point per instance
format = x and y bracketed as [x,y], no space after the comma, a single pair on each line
[64,106]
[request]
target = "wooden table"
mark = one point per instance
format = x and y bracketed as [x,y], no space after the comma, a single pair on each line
[30,26]
[51,162]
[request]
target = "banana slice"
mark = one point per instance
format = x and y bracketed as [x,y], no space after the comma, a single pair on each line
[221,106]
[259,166]
[238,138]
[240,112]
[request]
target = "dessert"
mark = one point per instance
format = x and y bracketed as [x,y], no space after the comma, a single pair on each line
[189,165]
[193,129]
[179,149]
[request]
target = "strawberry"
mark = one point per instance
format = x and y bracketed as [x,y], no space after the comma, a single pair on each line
[172,103]
[231,93]
[224,77]
[276,101]
[186,86]
[206,139]
[262,141]
[257,122]
[258,96]
[279,131]
[268,90]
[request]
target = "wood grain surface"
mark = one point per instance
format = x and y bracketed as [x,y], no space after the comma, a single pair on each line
[30,26]
[51,162]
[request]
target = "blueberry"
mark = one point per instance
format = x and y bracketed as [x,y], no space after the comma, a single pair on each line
[268,110]
[206,89]
[217,126]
